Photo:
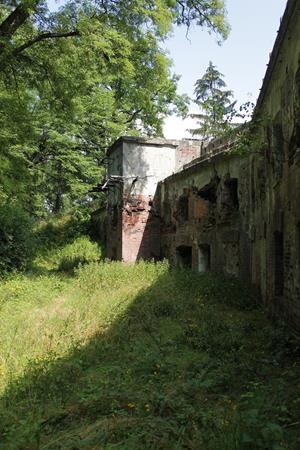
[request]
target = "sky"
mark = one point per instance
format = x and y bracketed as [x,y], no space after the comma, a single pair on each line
[242,58]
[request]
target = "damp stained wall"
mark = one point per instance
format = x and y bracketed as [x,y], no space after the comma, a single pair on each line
[209,209]
[247,223]
[201,208]
[133,219]
[274,182]
[144,165]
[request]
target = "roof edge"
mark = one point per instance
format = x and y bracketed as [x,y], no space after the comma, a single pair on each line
[283,28]
[156,141]
[200,163]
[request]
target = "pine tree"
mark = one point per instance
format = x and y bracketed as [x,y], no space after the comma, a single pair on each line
[215,103]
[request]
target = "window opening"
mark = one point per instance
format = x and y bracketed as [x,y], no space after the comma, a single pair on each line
[115,217]
[298,238]
[232,186]
[279,263]
[209,193]
[204,258]
[184,256]
[183,208]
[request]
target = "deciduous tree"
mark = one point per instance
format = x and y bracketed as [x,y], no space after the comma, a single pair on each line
[73,80]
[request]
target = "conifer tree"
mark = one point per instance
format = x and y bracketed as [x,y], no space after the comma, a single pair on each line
[215,103]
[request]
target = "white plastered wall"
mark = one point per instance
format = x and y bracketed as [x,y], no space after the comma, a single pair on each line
[149,164]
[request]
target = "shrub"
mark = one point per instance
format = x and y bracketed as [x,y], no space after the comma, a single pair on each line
[16,238]
[59,230]
[79,252]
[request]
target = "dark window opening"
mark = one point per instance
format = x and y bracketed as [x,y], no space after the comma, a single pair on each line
[209,193]
[183,208]
[295,140]
[114,216]
[167,213]
[279,263]
[278,139]
[297,133]
[297,85]
[204,258]
[232,187]
[184,256]
[298,238]
[114,254]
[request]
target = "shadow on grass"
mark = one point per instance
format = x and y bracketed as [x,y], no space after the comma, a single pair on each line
[170,370]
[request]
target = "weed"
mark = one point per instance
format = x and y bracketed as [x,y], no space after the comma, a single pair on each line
[140,356]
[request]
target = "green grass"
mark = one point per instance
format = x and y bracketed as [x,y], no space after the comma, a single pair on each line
[69,257]
[117,356]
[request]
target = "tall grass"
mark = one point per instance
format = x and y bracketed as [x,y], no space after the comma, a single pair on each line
[110,355]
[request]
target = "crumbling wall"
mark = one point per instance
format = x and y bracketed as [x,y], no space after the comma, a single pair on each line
[140,229]
[208,209]
[200,211]
[187,151]
[241,215]
[145,163]
[275,182]
[135,167]
[114,204]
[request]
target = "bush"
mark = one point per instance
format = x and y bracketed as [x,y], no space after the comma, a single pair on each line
[16,238]
[79,252]
[57,231]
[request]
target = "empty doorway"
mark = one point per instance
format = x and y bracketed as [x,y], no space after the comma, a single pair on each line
[184,256]
[203,258]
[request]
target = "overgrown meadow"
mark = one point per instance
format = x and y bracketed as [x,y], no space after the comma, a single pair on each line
[105,355]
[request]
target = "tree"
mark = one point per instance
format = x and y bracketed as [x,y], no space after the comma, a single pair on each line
[215,103]
[38,24]
[74,80]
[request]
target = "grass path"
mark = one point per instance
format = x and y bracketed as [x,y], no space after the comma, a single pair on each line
[116,356]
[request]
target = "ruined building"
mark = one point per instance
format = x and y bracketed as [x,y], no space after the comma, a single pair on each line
[208,208]
[136,166]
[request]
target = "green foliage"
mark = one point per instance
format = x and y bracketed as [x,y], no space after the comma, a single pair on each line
[74,80]
[251,137]
[141,356]
[81,251]
[63,245]
[215,103]
[16,238]
[57,231]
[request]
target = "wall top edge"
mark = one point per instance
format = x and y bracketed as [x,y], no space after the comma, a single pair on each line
[291,7]
[198,163]
[155,142]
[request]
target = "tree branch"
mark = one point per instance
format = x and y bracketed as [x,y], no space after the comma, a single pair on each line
[13,21]
[133,115]
[43,37]
[187,15]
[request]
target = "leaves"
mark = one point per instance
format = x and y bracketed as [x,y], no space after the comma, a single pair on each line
[216,104]
[74,80]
